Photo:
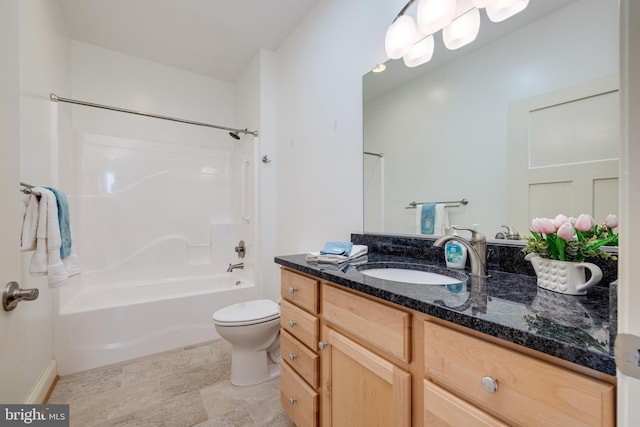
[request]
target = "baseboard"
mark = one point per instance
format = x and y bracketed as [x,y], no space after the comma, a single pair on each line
[43,387]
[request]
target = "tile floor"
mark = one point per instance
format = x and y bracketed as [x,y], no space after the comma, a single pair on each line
[178,388]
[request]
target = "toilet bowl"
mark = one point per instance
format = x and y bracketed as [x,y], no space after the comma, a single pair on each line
[253,330]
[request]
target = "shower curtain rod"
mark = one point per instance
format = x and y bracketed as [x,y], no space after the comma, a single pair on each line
[56,98]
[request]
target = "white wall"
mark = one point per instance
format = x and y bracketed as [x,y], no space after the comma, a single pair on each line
[108,77]
[44,68]
[448,121]
[319,123]
[255,108]
[162,208]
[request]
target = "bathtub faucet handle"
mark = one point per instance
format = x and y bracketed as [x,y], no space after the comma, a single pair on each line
[240,249]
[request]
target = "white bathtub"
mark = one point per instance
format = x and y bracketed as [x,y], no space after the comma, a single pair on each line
[97,325]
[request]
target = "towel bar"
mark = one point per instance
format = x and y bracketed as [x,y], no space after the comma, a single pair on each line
[449,204]
[27,187]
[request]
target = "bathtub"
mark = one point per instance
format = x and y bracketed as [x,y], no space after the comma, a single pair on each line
[97,325]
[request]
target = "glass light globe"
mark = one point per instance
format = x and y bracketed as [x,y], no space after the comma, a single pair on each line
[499,10]
[462,31]
[482,3]
[433,15]
[419,53]
[400,36]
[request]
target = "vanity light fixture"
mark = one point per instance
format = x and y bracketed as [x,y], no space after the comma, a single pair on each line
[400,36]
[434,15]
[420,53]
[462,30]
[499,10]
[459,21]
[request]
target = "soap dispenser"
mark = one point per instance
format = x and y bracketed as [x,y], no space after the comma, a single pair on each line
[455,253]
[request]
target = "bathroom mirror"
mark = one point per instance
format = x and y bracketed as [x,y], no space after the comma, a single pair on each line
[475,123]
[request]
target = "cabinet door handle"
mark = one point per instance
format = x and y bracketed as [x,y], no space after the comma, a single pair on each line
[322,345]
[292,290]
[292,323]
[292,357]
[292,401]
[490,384]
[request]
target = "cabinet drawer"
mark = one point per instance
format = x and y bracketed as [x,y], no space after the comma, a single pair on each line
[443,409]
[300,324]
[386,328]
[529,392]
[298,400]
[304,361]
[299,289]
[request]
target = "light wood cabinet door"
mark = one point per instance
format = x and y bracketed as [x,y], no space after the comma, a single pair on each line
[298,400]
[300,324]
[305,362]
[527,391]
[443,409]
[360,388]
[300,290]
[387,329]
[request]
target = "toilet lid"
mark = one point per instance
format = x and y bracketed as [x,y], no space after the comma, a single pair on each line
[248,312]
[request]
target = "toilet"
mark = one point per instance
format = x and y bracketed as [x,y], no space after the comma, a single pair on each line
[253,330]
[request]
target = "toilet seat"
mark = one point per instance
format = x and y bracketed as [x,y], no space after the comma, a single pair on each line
[247,313]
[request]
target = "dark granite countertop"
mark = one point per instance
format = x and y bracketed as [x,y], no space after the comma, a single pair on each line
[505,305]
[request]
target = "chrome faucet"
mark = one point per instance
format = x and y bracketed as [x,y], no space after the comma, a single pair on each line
[477,249]
[234,266]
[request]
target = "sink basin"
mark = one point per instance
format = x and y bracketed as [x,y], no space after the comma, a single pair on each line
[410,276]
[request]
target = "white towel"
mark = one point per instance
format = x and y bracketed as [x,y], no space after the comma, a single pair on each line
[29,223]
[441,225]
[356,251]
[46,260]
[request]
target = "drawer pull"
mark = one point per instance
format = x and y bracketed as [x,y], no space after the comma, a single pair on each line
[292,290]
[292,357]
[490,384]
[292,323]
[322,345]
[292,401]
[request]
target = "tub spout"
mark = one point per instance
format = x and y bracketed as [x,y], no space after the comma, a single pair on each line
[234,266]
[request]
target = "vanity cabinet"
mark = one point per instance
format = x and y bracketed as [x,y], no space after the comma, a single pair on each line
[350,360]
[299,335]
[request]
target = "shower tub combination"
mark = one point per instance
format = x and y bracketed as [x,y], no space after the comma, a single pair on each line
[154,225]
[99,325]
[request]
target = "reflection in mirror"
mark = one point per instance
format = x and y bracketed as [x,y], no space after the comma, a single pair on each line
[448,130]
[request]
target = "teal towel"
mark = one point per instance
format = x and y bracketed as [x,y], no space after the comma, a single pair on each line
[427,218]
[63,220]
[337,248]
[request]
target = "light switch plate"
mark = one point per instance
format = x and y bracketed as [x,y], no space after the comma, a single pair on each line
[627,353]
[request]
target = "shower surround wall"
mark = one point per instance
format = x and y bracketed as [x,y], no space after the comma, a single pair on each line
[151,210]
[151,202]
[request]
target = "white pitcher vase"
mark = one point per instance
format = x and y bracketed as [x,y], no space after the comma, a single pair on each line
[566,277]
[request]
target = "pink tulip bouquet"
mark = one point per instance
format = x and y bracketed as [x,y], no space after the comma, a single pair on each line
[571,239]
